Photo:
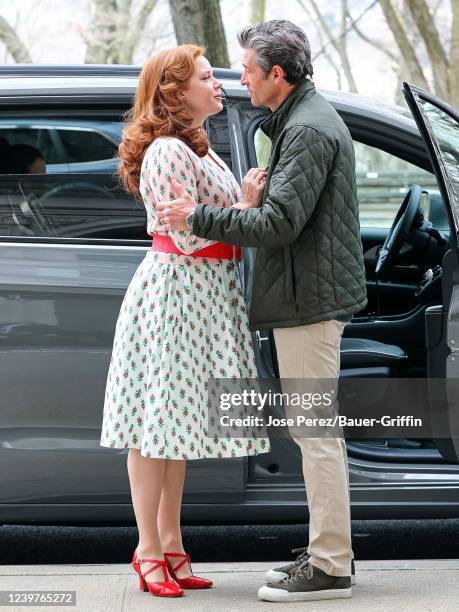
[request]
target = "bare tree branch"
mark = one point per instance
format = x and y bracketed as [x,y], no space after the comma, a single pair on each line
[338,43]
[429,33]
[327,55]
[116,31]
[100,48]
[135,29]
[144,13]
[13,43]
[342,45]
[406,48]
[374,43]
[330,42]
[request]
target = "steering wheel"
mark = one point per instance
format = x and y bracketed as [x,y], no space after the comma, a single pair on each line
[399,230]
[58,189]
[32,207]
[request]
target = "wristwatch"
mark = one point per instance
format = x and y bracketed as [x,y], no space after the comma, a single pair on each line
[189,220]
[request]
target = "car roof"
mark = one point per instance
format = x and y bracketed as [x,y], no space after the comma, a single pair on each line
[98,80]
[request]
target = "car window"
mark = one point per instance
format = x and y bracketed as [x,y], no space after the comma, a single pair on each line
[382,178]
[65,142]
[85,145]
[74,192]
[444,129]
[262,148]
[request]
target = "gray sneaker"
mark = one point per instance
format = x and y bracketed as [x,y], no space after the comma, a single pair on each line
[307,583]
[277,574]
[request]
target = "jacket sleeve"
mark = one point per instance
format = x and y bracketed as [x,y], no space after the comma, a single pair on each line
[305,159]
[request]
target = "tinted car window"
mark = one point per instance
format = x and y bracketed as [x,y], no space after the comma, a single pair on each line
[79,195]
[81,145]
[40,138]
[69,206]
[65,141]
[445,130]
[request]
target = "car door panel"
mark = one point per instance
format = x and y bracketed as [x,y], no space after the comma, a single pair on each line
[59,305]
[66,265]
[438,123]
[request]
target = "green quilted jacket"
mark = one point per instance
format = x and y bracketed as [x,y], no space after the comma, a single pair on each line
[309,259]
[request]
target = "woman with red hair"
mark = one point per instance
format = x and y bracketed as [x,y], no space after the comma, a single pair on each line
[183,320]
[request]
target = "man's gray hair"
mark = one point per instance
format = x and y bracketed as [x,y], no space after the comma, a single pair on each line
[279,42]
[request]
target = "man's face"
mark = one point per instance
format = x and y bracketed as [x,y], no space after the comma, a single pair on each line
[260,87]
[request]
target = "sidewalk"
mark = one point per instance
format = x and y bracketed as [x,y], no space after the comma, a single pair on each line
[400,586]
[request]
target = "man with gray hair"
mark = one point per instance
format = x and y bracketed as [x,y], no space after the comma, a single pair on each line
[309,276]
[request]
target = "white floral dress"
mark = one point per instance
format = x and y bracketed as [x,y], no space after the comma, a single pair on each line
[182,322]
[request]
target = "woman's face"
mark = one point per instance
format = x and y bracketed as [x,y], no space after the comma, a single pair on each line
[203,95]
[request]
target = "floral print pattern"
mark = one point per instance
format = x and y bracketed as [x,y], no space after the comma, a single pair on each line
[182,323]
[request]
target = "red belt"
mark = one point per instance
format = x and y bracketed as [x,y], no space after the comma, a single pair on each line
[165,244]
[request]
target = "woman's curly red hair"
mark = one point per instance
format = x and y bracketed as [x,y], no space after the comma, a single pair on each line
[159,111]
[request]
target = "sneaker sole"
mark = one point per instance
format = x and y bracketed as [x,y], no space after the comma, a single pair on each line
[281,596]
[273,577]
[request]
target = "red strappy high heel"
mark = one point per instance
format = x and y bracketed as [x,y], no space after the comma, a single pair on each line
[192,582]
[161,589]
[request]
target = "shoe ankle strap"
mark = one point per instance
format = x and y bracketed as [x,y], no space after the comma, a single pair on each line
[157,564]
[186,559]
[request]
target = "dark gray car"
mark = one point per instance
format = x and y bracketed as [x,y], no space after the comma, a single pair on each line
[71,240]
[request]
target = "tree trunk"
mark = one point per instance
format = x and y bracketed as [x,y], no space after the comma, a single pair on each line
[200,22]
[377,44]
[188,21]
[257,9]
[396,26]
[342,46]
[217,50]
[13,43]
[338,44]
[437,55]
[454,57]
[101,42]
[116,31]
[134,28]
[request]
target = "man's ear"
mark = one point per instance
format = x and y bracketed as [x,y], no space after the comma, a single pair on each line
[278,73]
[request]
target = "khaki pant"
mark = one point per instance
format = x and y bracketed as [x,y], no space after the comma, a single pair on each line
[312,351]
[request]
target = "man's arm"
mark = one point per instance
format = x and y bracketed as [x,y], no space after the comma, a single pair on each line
[296,183]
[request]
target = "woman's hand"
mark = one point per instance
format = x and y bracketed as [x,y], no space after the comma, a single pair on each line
[253,185]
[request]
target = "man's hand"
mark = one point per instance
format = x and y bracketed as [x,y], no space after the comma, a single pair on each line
[172,214]
[253,185]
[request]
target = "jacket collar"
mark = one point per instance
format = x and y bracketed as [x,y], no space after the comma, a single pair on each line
[277,119]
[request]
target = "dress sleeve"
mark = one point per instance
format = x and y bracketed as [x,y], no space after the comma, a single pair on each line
[168,159]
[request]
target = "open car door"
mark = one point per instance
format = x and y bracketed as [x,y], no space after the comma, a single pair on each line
[438,124]
[242,120]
